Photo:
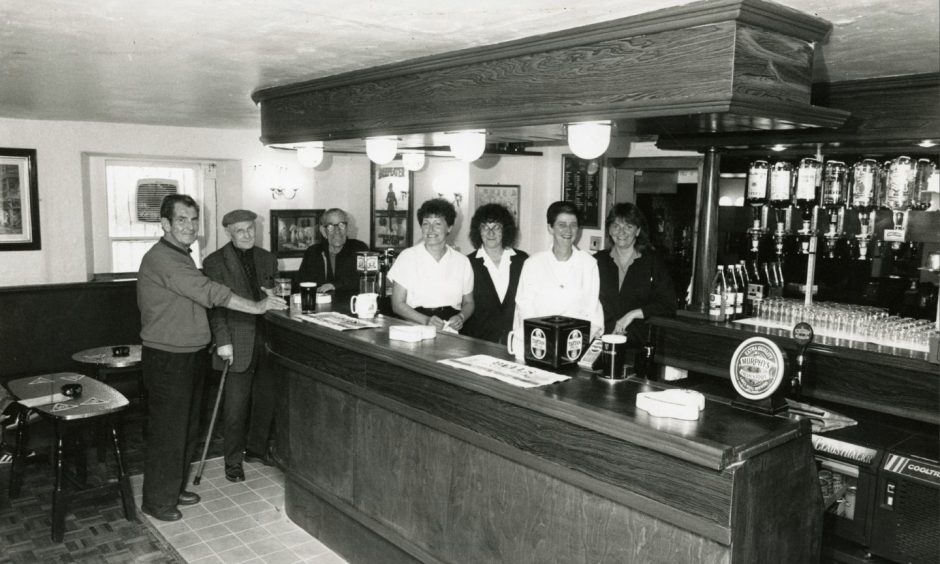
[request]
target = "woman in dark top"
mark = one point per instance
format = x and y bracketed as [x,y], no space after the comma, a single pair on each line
[496,268]
[635,283]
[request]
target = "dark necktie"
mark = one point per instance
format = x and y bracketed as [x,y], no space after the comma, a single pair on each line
[248,263]
[329,267]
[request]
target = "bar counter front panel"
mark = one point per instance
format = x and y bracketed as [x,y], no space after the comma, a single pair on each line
[391,456]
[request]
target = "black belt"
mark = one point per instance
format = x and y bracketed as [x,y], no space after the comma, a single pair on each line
[444,313]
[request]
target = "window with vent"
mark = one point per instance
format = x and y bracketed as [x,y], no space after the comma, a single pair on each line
[135,191]
[150,194]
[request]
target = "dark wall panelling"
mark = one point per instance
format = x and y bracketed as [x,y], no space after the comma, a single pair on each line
[42,326]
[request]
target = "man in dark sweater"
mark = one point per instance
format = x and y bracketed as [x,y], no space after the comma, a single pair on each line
[173,296]
[332,263]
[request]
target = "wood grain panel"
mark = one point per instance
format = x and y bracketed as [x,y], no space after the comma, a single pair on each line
[771,66]
[778,497]
[886,115]
[508,513]
[322,442]
[677,62]
[402,474]
[444,473]
[613,464]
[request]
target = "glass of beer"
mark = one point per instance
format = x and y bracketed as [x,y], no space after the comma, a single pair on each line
[282,287]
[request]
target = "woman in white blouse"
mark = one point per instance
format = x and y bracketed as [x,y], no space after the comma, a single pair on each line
[433,283]
[563,280]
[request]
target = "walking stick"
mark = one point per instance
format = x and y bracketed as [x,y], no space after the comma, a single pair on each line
[215,412]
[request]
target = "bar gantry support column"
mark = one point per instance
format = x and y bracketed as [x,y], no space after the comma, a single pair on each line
[706,249]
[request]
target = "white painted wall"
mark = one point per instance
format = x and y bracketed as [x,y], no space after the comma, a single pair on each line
[65,201]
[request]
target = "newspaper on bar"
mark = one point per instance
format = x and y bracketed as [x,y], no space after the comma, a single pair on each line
[338,321]
[505,370]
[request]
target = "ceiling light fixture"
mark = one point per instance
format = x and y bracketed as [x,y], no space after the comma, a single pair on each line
[413,160]
[589,139]
[381,150]
[467,145]
[310,154]
[778,148]
[927,143]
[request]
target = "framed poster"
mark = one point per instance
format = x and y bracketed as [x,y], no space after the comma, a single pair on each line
[293,231]
[391,204]
[19,200]
[505,194]
[581,185]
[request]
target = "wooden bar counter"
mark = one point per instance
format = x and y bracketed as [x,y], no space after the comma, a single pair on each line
[391,456]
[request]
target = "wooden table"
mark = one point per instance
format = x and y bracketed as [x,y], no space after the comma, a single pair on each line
[43,395]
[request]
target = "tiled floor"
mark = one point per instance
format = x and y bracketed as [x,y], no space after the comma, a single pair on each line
[241,523]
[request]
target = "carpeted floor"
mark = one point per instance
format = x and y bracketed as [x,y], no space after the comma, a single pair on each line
[95,527]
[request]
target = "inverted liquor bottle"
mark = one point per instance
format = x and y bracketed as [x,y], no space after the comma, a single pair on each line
[900,178]
[834,195]
[780,196]
[920,199]
[805,193]
[865,174]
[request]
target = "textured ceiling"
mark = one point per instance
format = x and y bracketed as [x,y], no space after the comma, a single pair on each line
[184,63]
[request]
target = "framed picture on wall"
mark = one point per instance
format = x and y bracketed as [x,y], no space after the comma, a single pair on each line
[19,200]
[505,194]
[581,185]
[293,231]
[391,205]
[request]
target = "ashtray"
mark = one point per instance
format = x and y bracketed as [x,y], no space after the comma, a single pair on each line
[121,351]
[72,390]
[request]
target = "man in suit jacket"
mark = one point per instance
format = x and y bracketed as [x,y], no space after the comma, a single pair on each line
[332,263]
[248,270]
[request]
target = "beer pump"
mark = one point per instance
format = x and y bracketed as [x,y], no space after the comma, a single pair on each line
[367,265]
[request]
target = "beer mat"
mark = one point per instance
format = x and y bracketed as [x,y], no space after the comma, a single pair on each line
[505,370]
[337,321]
[43,400]
[822,420]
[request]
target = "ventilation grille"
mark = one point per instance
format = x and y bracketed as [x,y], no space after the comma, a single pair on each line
[150,193]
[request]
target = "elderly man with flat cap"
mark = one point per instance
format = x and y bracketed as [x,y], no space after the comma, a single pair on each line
[239,339]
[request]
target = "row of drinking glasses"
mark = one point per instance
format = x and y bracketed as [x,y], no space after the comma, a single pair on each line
[847,321]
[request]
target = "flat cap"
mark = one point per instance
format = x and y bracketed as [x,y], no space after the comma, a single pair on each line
[235,216]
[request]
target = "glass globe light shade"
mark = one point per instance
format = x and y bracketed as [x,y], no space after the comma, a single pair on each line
[467,145]
[413,161]
[588,140]
[381,150]
[311,154]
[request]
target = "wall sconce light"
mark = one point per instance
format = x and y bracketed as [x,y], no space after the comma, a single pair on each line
[273,181]
[413,160]
[310,154]
[467,145]
[588,140]
[458,198]
[381,150]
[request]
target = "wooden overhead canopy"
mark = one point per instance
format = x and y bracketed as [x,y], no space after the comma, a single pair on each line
[718,65]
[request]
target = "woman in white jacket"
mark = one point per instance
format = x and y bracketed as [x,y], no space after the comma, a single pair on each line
[563,280]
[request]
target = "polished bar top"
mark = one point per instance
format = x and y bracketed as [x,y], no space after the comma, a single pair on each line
[722,436]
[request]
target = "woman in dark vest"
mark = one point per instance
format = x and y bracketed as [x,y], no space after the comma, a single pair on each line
[496,268]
